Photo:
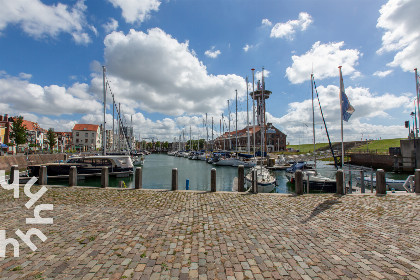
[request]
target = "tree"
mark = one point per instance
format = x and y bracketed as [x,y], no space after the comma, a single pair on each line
[50,138]
[18,132]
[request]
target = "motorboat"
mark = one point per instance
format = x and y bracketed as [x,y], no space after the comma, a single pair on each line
[398,185]
[266,182]
[118,165]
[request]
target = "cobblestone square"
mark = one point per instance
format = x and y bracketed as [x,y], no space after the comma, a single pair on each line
[145,234]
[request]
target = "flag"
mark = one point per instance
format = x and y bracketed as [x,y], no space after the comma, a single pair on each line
[347,109]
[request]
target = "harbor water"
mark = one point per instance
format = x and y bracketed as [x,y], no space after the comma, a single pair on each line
[157,170]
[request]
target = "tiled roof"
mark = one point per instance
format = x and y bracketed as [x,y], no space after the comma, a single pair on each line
[88,127]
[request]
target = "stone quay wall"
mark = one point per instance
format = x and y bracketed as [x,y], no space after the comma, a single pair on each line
[24,160]
[373,160]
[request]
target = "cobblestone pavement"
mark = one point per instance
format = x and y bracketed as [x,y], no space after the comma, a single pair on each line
[144,234]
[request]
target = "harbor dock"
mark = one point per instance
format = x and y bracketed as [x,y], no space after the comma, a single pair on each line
[108,233]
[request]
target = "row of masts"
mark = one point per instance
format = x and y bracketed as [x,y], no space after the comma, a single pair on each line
[124,143]
[261,123]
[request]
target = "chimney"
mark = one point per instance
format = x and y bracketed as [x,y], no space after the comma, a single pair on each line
[6,117]
[1,118]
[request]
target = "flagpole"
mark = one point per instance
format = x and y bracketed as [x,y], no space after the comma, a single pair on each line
[341,113]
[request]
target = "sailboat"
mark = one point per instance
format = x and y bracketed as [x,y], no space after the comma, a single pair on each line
[266,182]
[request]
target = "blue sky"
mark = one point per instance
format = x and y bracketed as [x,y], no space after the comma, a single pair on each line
[170,62]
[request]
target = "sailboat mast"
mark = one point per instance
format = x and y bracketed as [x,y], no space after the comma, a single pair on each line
[113,124]
[230,141]
[104,130]
[313,116]
[236,125]
[417,92]
[212,135]
[248,148]
[224,139]
[207,129]
[253,110]
[341,114]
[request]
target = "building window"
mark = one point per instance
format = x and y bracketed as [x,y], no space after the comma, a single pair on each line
[91,141]
[77,133]
[77,140]
[93,134]
[86,134]
[86,140]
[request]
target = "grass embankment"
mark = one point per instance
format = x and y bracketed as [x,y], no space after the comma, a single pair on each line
[378,145]
[369,146]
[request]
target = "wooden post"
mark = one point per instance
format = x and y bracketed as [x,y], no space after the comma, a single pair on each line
[362,181]
[340,182]
[14,170]
[174,179]
[307,183]
[213,180]
[254,181]
[271,162]
[43,178]
[104,177]
[241,176]
[371,181]
[73,176]
[417,181]
[350,183]
[380,182]
[138,180]
[299,182]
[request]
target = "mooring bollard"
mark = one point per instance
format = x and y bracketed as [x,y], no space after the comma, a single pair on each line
[73,176]
[299,182]
[14,174]
[187,184]
[138,180]
[417,181]
[350,183]
[340,182]
[241,176]
[254,181]
[104,177]
[43,177]
[371,181]
[213,180]
[362,181]
[380,182]
[174,179]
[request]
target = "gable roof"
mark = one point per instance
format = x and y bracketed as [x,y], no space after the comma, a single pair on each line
[86,127]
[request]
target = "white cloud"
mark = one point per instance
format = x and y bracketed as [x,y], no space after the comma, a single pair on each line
[19,95]
[400,20]
[212,53]
[136,11]
[156,73]
[297,123]
[289,28]
[324,60]
[266,22]
[247,47]
[39,20]
[110,26]
[382,74]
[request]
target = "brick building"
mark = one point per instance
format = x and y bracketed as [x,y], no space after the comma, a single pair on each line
[275,139]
